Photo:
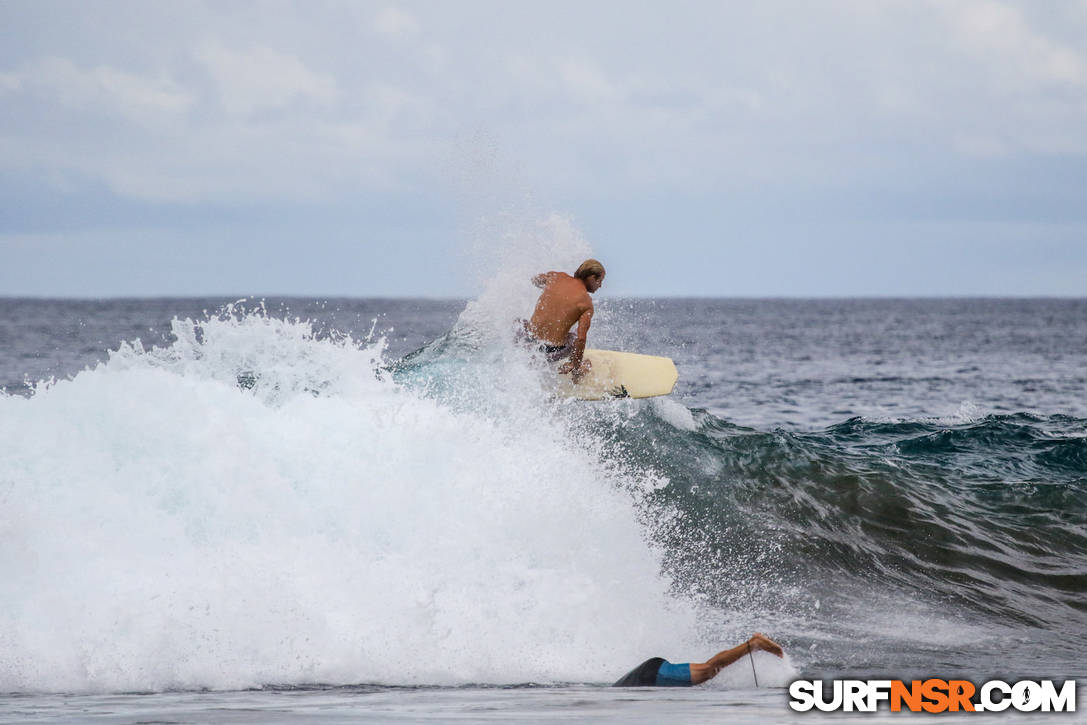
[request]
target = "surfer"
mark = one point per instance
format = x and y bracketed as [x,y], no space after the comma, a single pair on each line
[659,672]
[565,300]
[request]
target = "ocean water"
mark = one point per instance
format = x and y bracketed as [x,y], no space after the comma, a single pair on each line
[374,510]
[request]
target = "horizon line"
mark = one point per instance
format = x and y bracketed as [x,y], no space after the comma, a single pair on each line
[464,298]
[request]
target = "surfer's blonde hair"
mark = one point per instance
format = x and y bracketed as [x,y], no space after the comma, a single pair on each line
[588,268]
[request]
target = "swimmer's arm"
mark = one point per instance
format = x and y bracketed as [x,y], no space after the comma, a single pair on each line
[702,671]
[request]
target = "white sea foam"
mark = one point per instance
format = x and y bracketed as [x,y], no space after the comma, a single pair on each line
[163,526]
[675,414]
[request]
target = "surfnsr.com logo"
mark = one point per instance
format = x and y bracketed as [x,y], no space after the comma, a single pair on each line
[933,695]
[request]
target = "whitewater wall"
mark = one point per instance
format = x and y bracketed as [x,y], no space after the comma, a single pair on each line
[253,505]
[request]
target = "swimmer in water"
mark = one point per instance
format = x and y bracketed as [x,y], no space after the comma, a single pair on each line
[659,672]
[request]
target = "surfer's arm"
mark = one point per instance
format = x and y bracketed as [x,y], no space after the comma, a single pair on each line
[702,671]
[578,352]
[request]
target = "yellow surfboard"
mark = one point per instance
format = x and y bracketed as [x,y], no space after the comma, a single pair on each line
[621,375]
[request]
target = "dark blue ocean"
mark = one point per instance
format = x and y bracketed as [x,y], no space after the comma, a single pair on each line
[338,510]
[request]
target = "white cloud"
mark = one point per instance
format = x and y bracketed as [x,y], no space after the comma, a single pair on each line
[720,97]
[980,145]
[395,22]
[999,35]
[259,78]
[390,104]
[740,105]
[103,88]
[586,81]
[10,82]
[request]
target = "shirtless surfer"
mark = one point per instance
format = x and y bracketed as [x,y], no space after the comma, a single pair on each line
[659,672]
[564,301]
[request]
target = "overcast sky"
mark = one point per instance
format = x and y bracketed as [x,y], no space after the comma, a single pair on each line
[842,148]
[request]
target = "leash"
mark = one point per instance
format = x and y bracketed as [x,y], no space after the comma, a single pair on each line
[752,664]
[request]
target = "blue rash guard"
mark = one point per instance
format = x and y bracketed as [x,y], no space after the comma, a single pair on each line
[670,675]
[657,672]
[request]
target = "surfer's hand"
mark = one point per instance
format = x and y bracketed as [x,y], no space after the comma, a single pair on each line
[761,641]
[576,373]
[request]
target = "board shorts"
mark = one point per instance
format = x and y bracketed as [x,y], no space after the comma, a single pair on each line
[657,672]
[553,353]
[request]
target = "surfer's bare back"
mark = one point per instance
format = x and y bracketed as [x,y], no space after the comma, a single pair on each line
[565,301]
